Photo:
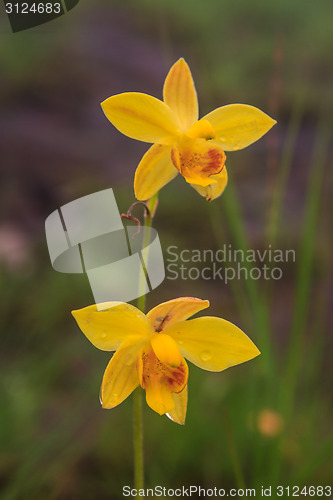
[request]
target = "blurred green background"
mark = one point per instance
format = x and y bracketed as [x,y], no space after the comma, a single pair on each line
[266,422]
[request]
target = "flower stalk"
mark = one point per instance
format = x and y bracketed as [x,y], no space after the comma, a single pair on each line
[137,396]
[138,439]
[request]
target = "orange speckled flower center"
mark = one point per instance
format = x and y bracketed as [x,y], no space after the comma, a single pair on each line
[196,156]
[160,378]
[156,372]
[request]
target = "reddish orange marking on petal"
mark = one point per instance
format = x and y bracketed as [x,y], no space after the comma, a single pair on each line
[214,161]
[174,310]
[198,159]
[152,370]
[161,322]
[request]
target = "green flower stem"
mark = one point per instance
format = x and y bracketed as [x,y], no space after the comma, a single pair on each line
[138,440]
[141,303]
[137,406]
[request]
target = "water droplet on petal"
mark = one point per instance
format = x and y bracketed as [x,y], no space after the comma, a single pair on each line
[113,399]
[180,342]
[103,335]
[205,355]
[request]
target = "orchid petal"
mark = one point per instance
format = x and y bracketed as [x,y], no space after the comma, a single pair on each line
[215,190]
[180,95]
[178,414]
[212,344]
[239,125]
[120,377]
[142,117]
[166,349]
[154,171]
[107,328]
[174,311]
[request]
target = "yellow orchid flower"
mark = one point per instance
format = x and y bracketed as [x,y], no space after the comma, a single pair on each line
[150,350]
[183,143]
